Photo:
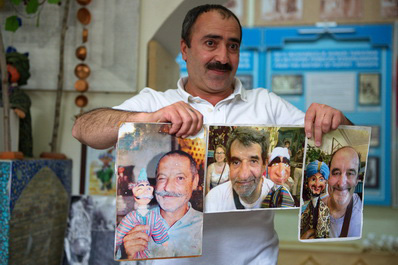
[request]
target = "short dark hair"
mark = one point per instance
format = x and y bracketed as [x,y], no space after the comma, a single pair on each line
[192,162]
[248,136]
[345,147]
[194,13]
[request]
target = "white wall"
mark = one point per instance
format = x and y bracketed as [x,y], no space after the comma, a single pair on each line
[43,101]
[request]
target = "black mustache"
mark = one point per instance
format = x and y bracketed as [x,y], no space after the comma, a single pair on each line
[219,66]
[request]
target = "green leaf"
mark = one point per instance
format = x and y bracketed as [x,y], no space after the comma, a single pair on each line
[54,1]
[32,6]
[16,2]
[12,23]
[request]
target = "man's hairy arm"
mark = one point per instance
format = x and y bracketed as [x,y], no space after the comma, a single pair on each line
[99,128]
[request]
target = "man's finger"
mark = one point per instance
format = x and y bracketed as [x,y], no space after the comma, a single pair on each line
[327,121]
[310,116]
[318,129]
[196,122]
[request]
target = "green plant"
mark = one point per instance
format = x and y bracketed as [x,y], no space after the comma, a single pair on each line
[13,23]
[314,153]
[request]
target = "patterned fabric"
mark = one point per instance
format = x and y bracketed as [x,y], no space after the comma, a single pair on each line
[322,224]
[278,197]
[4,211]
[157,230]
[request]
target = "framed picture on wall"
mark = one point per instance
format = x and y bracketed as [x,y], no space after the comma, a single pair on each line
[375,136]
[372,173]
[369,89]
[247,80]
[287,84]
[98,172]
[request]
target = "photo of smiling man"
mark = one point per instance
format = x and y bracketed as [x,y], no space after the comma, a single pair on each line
[163,218]
[334,183]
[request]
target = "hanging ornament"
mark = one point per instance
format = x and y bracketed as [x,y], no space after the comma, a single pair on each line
[82,70]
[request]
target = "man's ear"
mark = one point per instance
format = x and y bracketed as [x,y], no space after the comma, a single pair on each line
[195,182]
[183,48]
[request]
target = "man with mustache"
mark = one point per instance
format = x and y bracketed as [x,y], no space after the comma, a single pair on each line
[211,34]
[279,173]
[246,188]
[142,215]
[315,220]
[345,206]
[176,178]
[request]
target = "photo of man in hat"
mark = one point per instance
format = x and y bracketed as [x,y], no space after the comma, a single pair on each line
[279,174]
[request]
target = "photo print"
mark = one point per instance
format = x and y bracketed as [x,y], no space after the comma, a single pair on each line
[253,167]
[332,187]
[369,89]
[287,84]
[99,169]
[341,9]
[91,231]
[281,10]
[160,177]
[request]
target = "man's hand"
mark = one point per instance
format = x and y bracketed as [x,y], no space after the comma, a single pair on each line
[185,120]
[136,240]
[320,119]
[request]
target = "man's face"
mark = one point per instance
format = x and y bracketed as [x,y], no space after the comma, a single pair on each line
[343,176]
[214,42]
[246,168]
[143,193]
[174,182]
[316,184]
[279,171]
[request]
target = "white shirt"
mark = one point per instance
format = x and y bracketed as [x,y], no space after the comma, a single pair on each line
[221,199]
[230,238]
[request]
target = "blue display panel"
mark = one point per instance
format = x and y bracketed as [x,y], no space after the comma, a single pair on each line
[347,67]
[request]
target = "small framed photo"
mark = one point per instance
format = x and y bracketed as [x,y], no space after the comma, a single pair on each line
[246,80]
[98,171]
[287,84]
[375,136]
[372,173]
[369,89]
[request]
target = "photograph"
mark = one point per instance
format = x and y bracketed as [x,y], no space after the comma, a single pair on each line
[253,167]
[375,136]
[238,8]
[287,84]
[160,177]
[332,187]
[372,173]
[280,10]
[247,80]
[91,231]
[369,89]
[341,9]
[99,167]
[389,8]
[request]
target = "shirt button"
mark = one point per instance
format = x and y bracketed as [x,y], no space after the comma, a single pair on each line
[197,101]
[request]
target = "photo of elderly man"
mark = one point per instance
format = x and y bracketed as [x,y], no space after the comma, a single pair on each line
[161,219]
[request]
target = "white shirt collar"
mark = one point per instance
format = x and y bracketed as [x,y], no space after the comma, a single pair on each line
[239,91]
